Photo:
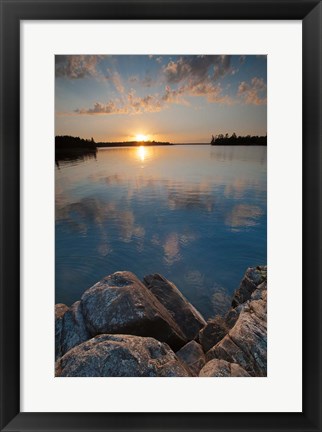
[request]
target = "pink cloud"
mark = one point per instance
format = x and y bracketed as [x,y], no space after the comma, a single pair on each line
[253,93]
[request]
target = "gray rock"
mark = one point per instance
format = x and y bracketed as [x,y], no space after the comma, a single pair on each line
[60,310]
[259,277]
[261,292]
[120,356]
[253,277]
[215,330]
[121,304]
[222,368]
[74,330]
[246,342]
[184,314]
[232,316]
[193,356]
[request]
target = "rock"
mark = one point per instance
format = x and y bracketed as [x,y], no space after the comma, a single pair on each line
[133,325]
[253,277]
[232,316]
[184,314]
[70,328]
[246,342]
[261,292]
[193,356]
[74,330]
[222,368]
[121,356]
[214,331]
[60,310]
[121,304]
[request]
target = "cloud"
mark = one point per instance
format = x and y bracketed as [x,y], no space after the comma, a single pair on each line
[80,215]
[99,108]
[149,103]
[187,77]
[243,216]
[196,69]
[213,93]
[130,104]
[177,71]
[174,95]
[133,79]
[171,249]
[147,81]
[253,93]
[115,79]
[77,66]
[196,76]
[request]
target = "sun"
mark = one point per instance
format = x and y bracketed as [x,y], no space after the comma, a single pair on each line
[141,137]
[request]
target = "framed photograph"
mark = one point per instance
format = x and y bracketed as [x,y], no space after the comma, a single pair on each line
[160,215]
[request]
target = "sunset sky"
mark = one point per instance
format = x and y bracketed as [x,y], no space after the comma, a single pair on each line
[159,97]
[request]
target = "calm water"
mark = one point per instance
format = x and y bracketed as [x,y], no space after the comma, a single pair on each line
[195,214]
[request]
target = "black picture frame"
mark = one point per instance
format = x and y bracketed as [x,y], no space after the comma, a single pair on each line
[12,12]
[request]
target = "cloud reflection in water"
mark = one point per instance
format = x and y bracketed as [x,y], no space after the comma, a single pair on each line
[196,215]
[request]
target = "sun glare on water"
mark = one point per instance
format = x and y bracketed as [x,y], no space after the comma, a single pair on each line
[142,153]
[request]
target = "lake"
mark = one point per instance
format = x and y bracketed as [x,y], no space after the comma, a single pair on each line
[197,214]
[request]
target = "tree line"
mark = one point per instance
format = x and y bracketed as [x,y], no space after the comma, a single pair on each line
[64,142]
[131,143]
[67,142]
[238,140]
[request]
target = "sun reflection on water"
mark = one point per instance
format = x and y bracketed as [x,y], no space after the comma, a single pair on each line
[142,153]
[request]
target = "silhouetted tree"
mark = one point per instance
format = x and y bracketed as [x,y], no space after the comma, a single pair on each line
[239,140]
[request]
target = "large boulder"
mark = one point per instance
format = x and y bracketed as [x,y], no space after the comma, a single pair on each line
[222,368]
[184,314]
[253,277]
[215,330]
[74,330]
[121,304]
[121,356]
[246,342]
[193,356]
[70,328]
[60,310]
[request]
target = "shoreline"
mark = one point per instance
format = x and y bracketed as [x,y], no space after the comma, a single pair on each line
[122,326]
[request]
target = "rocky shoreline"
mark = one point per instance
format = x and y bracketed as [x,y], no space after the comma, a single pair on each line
[122,327]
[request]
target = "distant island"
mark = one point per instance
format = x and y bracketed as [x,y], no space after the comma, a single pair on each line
[132,143]
[69,148]
[235,140]
[72,148]
[67,142]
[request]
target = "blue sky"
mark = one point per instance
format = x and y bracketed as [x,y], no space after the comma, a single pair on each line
[166,98]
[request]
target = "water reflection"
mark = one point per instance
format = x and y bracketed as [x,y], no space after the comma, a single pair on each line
[221,300]
[195,214]
[142,152]
[171,249]
[89,213]
[73,155]
[243,215]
